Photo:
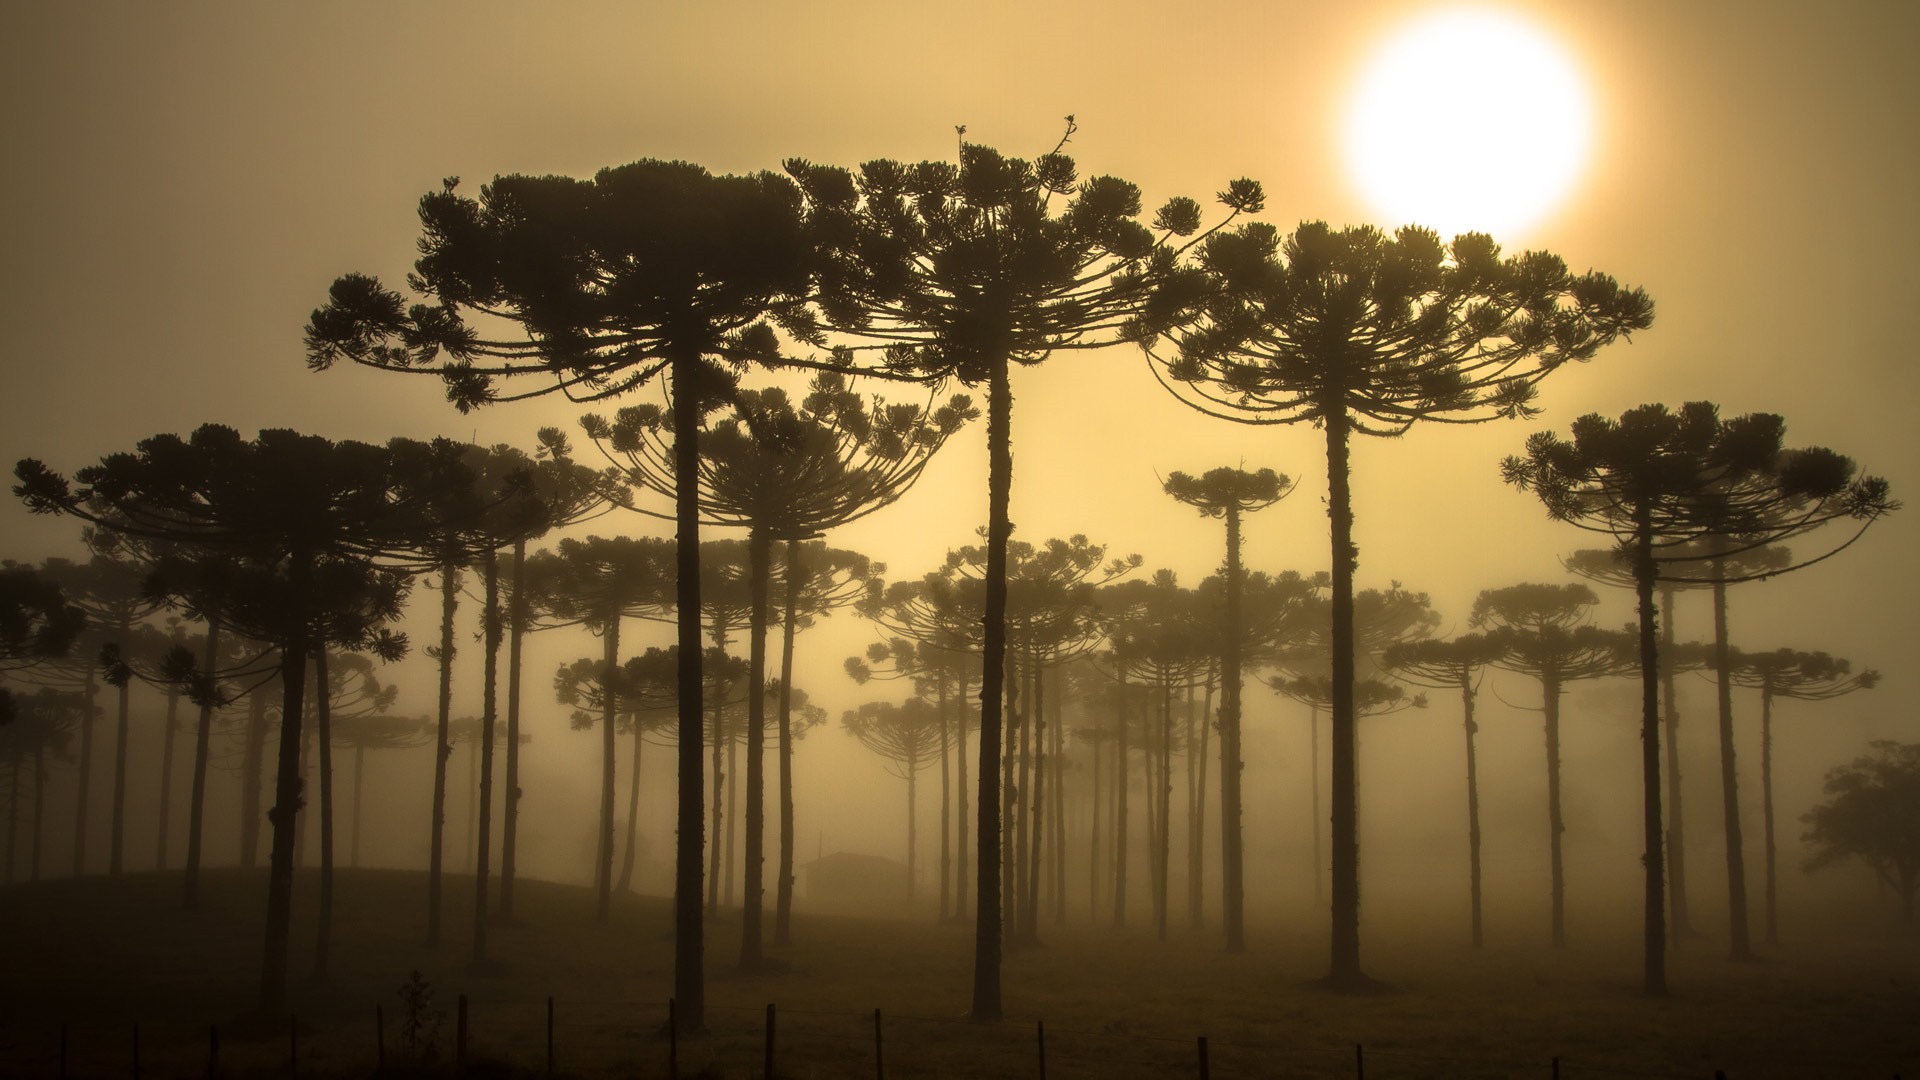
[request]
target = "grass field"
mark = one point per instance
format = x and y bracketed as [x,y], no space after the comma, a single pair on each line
[101,957]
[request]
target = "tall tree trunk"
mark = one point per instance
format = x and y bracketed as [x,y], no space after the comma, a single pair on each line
[473,804]
[13,811]
[783,901]
[1232,889]
[946,790]
[1345,972]
[1120,784]
[202,741]
[442,749]
[1037,812]
[1556,823]
[323,718]
[1319,821]
[517,615]
[689,973]
[285,814]
[1010,793]
[1473,805]
[491,633]
[1094,864]
[172,723]
[1163,860]
[117,834]
[913,822]
[609,709]
[718,809]
[961,861]
[252,776]
[1196,753]
[1766,806]
[83,792]
[1676,830]
[1058,847]
[633,814]
[1741,945]
[1655,961]
[729,860]
[986,955]
[760,570]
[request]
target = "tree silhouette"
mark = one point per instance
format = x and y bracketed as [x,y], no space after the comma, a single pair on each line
[42,724]
[650,270]
[596,582]
[1230,493]
[1871,804]
[373,728]
[960,272]
[1803,676]
[1656,481]
[1542,631]
[1604,566]
[1447,665]
[1357,332]
[310,515]
[785,474]
[907,736]
[567,493]
[36,623]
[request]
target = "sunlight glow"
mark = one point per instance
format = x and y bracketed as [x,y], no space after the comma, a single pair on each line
[1467,119]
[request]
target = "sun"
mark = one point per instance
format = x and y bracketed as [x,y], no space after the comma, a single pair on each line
[1468,119]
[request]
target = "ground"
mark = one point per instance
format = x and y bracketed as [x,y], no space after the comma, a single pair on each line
[125,971]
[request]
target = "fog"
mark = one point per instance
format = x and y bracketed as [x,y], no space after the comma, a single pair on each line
[186,180]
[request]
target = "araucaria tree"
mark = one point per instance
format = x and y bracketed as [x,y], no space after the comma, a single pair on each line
[1658,481]
[650,270]
[1230,493]
[1357,332]
[785,474]
[1542,631]
[1802,676]
[1453,664]
[308,517]
[962,272]
[908,737]
[1869,813]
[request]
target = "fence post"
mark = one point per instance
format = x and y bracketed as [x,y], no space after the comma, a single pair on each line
[1556,1069]
[293,1047]
[1203,1057]
[460,1034]
[673,1040]
[1043,1049]
[879,1063]
[1359,1063]
[379,1038]
[136,1051]
[63,1050]
[768,1073]
[549,1034]
[213,1051]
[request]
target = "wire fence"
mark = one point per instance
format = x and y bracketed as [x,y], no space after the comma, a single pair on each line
[565,1037]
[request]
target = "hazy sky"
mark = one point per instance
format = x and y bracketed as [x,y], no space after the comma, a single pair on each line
[186,179]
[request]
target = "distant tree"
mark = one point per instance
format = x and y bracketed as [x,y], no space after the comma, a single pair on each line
[362,731]
[1382,618]
[961,272]
[908,737]
[1543,631]
[42,725]
[310,515]
[1803,676]
[596,583]
[786,474]
[1357,332]
[1642,480]
[1606,566]
[1456,663]
[1230,493]
[1869,815]
[36,623]
[650,270]
[569,493]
